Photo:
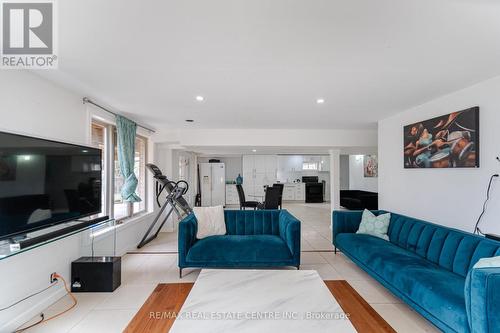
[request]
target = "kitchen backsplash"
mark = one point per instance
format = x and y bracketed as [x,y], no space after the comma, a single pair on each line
[291,176]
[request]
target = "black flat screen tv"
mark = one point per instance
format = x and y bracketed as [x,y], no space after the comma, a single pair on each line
[44,183]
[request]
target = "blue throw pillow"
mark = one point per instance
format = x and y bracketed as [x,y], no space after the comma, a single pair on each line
[375,225]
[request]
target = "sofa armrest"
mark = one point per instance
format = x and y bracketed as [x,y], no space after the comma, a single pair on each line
[186,237]
[290,233]
[347,221]
[482,299]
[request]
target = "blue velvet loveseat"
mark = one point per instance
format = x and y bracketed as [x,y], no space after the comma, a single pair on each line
[430,267]
[262,238]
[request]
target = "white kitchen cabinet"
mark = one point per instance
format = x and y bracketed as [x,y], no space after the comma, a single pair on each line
[294,192]
[289,193]
[296,162]
[300,192]
[258,171]
[232,195]
[290,163]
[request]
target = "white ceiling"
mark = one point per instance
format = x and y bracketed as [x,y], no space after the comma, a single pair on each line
[263,64]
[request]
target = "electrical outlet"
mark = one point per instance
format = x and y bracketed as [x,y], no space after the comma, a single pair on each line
[53,277]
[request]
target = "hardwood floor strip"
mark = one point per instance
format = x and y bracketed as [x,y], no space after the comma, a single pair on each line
[363,317]
[157,314]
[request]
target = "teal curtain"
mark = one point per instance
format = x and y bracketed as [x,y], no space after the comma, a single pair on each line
[126,130]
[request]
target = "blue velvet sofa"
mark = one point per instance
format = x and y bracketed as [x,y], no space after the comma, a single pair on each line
[430,267]
[262,238]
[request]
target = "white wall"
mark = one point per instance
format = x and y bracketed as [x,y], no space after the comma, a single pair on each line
[452,197]
[31,105]
[357,179]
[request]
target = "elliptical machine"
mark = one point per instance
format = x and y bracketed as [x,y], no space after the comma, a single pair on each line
[174,200]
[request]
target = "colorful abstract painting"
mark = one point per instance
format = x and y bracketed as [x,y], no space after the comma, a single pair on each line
[370,165]
[449,141]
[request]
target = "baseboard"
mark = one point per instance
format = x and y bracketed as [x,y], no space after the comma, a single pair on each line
[45,301]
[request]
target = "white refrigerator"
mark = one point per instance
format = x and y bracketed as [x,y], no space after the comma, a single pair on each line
[213,184]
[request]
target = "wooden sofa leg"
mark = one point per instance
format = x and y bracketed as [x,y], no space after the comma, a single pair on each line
[298,267]
[180,273]
[335,249]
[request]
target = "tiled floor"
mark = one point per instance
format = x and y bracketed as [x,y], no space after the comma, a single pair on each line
[111,312]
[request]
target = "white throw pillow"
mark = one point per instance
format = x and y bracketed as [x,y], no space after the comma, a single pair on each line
[375,225]
[210,221]
[488,262]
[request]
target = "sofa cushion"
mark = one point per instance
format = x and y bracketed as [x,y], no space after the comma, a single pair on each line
[451,249]
[254,222]
[433,288]
[437,290]
[239,249]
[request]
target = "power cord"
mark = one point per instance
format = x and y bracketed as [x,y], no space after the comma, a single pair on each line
[43,319]
[476,228]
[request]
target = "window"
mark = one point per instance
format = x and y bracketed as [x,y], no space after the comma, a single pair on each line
[309,166]
[98,140]
[119,209]
[140,172]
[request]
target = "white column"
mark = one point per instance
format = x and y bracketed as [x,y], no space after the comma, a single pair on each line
[335,179]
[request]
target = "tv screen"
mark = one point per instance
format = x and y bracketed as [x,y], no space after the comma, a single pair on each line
[43,183]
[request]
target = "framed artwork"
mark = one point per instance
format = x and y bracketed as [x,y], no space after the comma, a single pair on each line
[370,166]
[8,165]
[448,141]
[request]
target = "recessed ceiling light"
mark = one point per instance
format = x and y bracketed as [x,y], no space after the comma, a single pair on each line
[320,101]
[200,98]
[189,121]
[254,150]
[85,151]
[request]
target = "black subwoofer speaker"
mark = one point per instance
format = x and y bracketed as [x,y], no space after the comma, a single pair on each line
[96,274]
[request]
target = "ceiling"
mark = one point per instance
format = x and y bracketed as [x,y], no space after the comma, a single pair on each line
[263,64]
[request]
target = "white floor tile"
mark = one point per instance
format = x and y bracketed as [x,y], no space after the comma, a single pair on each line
[307,258]
[373,292]
[403,319]
[127,297]
[104,321]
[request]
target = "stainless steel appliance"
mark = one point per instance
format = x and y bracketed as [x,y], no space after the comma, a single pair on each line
[314,189]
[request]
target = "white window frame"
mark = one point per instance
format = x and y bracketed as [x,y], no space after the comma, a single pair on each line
[310,166]
[108,171]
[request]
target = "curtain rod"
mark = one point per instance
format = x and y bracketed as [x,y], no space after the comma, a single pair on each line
[89,101]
